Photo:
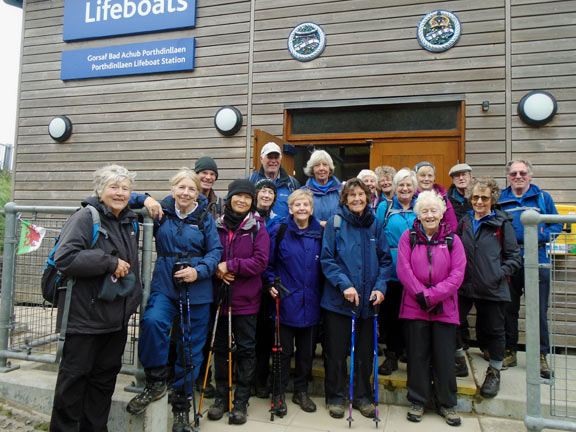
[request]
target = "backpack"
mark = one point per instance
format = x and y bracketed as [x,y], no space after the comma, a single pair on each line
[448,240]
[52,279]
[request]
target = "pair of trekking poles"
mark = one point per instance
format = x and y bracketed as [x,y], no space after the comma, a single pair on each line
[224,292]
[376,310]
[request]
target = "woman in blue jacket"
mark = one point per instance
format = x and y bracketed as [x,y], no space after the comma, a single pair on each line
[396,218]
[187,234]
[323,185]
[357,264]
[295,258]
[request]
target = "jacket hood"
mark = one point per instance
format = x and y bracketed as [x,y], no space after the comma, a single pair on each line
[283,176]
[366,219]
[99,205]
[169,205]
[250,223]
[336,185]
[440,235]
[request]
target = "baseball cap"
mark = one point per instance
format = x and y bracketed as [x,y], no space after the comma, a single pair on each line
[270,148]
[458,168]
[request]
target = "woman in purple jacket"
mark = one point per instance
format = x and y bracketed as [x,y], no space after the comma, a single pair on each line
[431,264]
[246,246]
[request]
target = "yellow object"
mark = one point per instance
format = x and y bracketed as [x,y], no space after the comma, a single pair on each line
[565,243]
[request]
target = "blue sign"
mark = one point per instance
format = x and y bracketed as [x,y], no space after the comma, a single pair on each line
[89,19]
[141,58]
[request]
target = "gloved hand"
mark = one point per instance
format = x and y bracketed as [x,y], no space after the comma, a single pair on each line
[421,299]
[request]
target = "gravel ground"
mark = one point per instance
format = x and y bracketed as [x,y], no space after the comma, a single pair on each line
[16,418]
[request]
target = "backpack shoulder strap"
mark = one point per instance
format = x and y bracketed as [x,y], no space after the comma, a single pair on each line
[413,238]
[96,225]
[449,241]
[279,237]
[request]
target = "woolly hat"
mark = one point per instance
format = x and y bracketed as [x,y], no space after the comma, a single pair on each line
[424,164]
[239,186]
[206,163]
[268,184]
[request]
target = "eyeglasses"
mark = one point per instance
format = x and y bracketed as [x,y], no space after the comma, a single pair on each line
[518,173]
[477,198]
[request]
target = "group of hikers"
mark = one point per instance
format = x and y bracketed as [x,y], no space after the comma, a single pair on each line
[276,271]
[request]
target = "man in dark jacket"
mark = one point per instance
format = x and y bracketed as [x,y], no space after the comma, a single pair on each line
[461,176]
[271,168]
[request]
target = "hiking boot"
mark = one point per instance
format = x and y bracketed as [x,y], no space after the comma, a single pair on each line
[217,410]
[415,412]
[366,409]
[302,399]
[209,391]
[545,371]
[491,384]
[509,359]
[485,354]
[389,365]
[181,410]
[451,416]
[460,366]
[239,413]
[262,392]
[335,410]
[152,392]
[279,405]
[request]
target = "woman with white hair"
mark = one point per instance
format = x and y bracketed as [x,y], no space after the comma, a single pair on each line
[370,179]
[431,264]
[396,218]
[323,185]
[98,321]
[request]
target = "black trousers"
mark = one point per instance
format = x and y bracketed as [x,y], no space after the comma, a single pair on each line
[389,324]
[244,330]
[86,379]
[430,346]
[264,341]
[304,338]
[489,324]
[337,342]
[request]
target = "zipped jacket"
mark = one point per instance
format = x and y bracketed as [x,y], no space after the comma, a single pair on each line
[88,265]
[450,215]
[297,263]
[492,255]
[182,240]
[460,204]
[285,185]
[432,269]
[354,255]
[246,253]
[325,203]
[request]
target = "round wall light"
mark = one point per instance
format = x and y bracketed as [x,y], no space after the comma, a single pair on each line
[60,128]
[228,120]
[537,108]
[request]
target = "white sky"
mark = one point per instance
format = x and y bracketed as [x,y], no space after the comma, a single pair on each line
[10,35]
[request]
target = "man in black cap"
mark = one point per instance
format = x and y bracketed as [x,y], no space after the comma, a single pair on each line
[461,175]
[207,170]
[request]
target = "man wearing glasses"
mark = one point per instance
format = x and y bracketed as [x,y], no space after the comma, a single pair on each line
[521,195]
[461,175]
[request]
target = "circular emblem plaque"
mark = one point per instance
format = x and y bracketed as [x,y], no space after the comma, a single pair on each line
[439,31]
[306,41]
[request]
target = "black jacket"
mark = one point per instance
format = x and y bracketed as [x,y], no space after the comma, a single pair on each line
[492,256]
[460,208]
[89,265]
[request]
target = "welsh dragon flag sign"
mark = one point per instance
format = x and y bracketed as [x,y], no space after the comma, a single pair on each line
[30,237]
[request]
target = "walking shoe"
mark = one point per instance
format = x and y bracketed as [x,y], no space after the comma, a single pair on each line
[239,413]
[181,421]
[366,408]
[302,399]
[415,412]
[209,391]
[460,366]
[389,365]
[451,416]
[545,371]
[509,359]
[485,354]
[152,392]
[262,392]
[335,410]
[217,410]
[279,404]
[491,385]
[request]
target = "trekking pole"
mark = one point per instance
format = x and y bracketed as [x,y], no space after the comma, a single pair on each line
[351,390]
[229,295]
[275,403]
[376,310]
[196,423]
[211,352]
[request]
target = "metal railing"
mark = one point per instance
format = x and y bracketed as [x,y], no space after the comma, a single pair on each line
[27,324]
[562,382]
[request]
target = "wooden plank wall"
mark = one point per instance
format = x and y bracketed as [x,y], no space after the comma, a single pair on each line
[153,124]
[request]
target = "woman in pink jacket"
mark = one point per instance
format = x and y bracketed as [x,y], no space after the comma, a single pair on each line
[431,265]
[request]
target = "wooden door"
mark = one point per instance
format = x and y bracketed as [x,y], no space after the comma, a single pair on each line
[262,137]
[399,153]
